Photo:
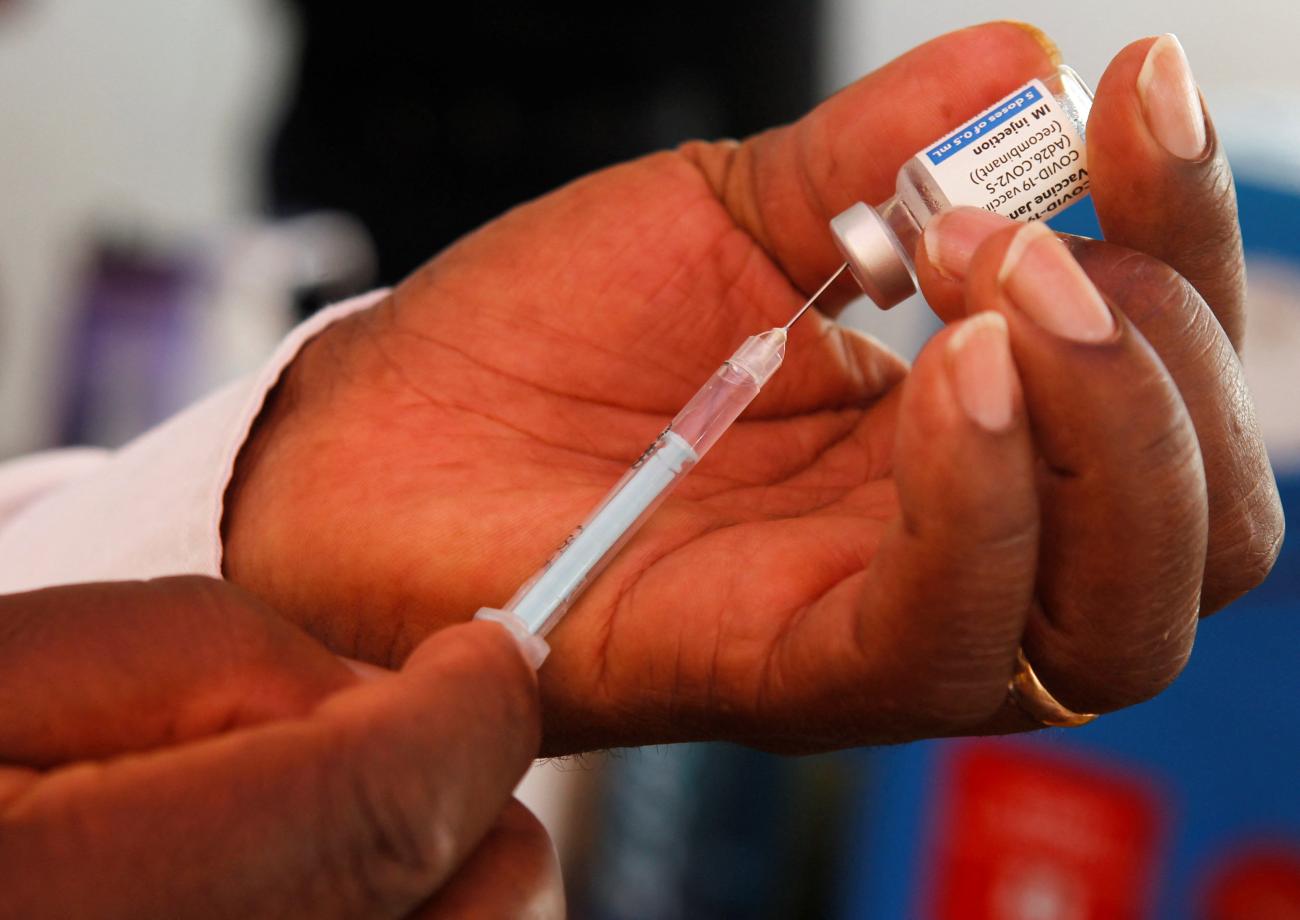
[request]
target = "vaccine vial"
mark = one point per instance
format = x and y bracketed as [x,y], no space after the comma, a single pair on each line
[1024,157]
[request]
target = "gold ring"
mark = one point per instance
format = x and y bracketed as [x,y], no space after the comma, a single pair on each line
[1028,692]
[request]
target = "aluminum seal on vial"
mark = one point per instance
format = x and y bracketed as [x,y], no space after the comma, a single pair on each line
[874,255]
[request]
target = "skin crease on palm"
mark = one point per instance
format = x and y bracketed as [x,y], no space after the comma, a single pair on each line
[421,459]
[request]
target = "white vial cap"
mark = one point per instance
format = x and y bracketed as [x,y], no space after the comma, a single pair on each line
[874,255]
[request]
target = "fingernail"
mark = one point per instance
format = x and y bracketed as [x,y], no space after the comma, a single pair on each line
[1170,102]
[951,238]
[981,370]
[1041,278]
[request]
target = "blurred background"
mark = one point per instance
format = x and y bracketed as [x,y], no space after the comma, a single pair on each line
[181,180]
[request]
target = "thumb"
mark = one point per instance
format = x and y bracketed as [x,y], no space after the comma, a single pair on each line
[783,185]
[363,808]
[924,640]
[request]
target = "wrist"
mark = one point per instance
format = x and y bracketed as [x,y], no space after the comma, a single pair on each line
[271,493]
[249,501]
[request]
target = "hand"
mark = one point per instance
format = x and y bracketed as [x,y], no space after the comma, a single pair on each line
[174,749]
[1177,409]
[857,560]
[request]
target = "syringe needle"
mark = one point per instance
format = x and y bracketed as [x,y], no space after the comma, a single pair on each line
[813,299]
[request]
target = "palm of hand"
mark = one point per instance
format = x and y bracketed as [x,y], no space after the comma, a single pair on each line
[511,383]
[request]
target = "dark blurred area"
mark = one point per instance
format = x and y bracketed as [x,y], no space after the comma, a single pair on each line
[425,127]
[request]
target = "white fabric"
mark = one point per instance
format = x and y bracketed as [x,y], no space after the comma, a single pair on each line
[152,507]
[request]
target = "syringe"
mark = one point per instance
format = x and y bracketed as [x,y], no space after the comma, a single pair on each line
[544,599]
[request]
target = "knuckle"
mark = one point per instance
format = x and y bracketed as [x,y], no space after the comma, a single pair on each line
[961,708]
[1139,684]
[1218,203]
[233,625]
[210,606]
[1265,548]
[1145,677]
[229,623]
[1168,450]
[966,674]
[959,693]
[390,854]
[1107,672]
[1141,284]
[1241,560]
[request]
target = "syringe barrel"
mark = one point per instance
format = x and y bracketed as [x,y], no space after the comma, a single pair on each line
[729,391]
[546,596]
[714,407]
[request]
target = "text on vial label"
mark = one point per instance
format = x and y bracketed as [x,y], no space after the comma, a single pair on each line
[1021,158]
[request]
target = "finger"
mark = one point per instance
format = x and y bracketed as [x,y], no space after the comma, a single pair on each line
[363,808]
[923,642]
[513,874]
[948,244]
[92,670]
[1245,523]
[783,186]
[1123,489]
[1160,179]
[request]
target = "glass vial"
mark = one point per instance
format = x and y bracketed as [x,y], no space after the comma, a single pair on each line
[1025,157]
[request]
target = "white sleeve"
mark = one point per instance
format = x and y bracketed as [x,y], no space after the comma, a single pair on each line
[151,508]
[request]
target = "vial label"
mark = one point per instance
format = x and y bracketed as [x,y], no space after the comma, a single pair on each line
[1021,158]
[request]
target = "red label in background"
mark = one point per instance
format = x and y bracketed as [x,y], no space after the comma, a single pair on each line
[1025,836]
[1255,881]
